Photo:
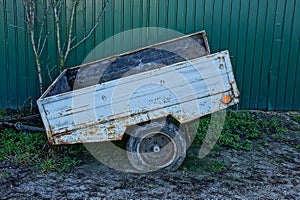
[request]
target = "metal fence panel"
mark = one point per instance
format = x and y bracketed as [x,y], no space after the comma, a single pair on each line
[262,36]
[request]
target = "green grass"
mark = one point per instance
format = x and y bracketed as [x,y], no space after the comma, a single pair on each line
[296,118]
[218,166]
[152,187]
[5,174]
[272,125]
[2,112]
[10,114]
[33,149]
[241,128]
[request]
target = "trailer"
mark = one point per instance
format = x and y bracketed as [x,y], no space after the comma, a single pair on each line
[147,93]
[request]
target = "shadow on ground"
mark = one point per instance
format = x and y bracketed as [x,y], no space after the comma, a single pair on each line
[271,170]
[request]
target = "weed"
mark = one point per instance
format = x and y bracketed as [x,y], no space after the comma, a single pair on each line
[47,165]
[61,165]
[151,187]
[289,157]
[33,149]
[218,166]
[68,162]
[279,137]
[296,118]
[260,147]
[241,128]
[238,129]
[2,112]
[202,129]
[5,174]
[273,126]
[193,164]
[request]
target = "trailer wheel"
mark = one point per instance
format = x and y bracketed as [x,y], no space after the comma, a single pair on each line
[155,146]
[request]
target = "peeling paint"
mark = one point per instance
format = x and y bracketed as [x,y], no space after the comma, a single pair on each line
[208,88]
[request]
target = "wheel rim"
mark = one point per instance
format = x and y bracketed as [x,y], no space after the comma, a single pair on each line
[157,150]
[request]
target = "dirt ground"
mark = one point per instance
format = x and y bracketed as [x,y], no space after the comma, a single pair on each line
[271,170]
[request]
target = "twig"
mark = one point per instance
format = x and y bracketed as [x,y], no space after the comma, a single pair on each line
[60,53]
[40,36]
[70,29]
[29,8]
[14,26]
[49,72]
[44,43]
[99,19]
[29,99]
[41,48]
[59,5]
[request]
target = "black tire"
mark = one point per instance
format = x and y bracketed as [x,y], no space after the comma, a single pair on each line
[155,146]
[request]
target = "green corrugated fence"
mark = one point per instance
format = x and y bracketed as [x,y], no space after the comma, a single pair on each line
[263,37]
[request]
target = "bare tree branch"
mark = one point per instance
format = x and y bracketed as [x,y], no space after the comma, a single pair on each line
[99,19]
[14,26]
[43,45]
[39,41]
[49,71]
[29,8]
[40,36]
[60,53]
[59,6]
[70,29]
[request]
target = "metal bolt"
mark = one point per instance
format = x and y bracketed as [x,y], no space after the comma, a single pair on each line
[156,149]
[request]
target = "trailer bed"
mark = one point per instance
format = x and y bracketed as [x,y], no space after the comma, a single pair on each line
[95,103]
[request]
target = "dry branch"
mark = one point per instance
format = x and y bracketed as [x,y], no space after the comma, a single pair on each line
[99,19]
[29,8]
[38,39]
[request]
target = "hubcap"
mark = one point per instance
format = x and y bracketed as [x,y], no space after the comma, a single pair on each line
[157,149]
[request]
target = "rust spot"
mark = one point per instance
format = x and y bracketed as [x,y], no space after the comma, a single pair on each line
[233,85]
[50,138]
[70,109]
[63,134]
[73,113]
[120,137]
[111,126]
[108,129]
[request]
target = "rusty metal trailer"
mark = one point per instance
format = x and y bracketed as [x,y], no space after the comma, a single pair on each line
[140,91]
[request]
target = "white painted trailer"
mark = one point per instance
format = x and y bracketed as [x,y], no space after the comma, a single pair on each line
[96,103]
